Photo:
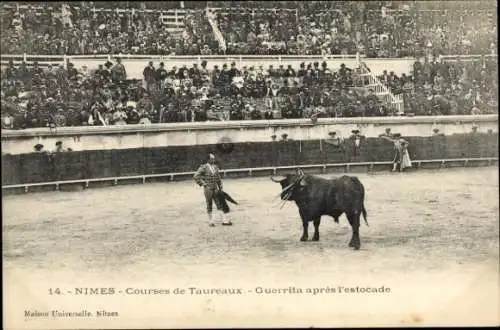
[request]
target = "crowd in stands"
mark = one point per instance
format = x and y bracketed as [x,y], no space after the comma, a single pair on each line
[374,28]
[448,88]
[77,30]
[59,96]
[64,95]
[330,28]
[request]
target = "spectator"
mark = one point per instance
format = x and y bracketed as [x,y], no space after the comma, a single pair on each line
[149,74]
[118,72]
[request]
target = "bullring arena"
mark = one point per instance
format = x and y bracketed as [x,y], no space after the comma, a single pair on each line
[433,239]
[109,108]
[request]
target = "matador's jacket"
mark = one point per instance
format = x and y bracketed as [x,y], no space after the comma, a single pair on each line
[208,176]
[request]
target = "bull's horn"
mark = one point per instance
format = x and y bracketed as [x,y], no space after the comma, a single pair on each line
[287,188]
[278,178]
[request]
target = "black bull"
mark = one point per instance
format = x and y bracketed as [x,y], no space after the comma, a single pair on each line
[317,196]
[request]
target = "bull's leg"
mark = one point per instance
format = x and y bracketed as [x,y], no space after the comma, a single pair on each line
[305,223]
[353,218]
[316,222]
[305,226]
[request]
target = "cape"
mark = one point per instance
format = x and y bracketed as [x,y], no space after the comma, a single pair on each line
[224,197]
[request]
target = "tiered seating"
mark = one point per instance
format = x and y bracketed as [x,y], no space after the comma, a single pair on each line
[375,28]
[467,86]
[57,96]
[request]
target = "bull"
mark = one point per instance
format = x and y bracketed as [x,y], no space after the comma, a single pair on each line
[315,197]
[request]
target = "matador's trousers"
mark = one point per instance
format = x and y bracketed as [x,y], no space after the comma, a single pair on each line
[210,197]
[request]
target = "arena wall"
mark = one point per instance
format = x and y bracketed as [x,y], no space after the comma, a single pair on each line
[249,145]
[211,133]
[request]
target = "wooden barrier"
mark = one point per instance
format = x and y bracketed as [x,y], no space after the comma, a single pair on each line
[249,171]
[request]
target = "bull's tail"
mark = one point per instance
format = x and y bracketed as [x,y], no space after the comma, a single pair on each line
[363,210]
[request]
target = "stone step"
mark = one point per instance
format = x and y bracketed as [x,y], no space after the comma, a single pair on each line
[172,18]
[173,23]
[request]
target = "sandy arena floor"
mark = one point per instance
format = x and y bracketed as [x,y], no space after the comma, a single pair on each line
[433,239]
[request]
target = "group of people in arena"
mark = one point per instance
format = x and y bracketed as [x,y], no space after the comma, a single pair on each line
[373,28]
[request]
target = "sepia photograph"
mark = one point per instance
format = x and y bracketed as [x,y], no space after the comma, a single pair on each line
[236,164]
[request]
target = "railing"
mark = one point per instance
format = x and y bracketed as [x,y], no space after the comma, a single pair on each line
[250,171]
[381,90]
[30,58]
[252,10]
[173,18]
[43,60]
[212,19]
[106,10]
[465,58]
[451,8]
[180,57]
[275,59]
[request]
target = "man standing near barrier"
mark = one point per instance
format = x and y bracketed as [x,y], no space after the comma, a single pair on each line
[209,178]
[401,157]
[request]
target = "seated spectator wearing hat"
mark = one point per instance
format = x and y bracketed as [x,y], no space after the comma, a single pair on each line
[119,116]
[236,114]
[211,114]
[268,114]
[371,96]
[144,106]
[475,110]
[255,114]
